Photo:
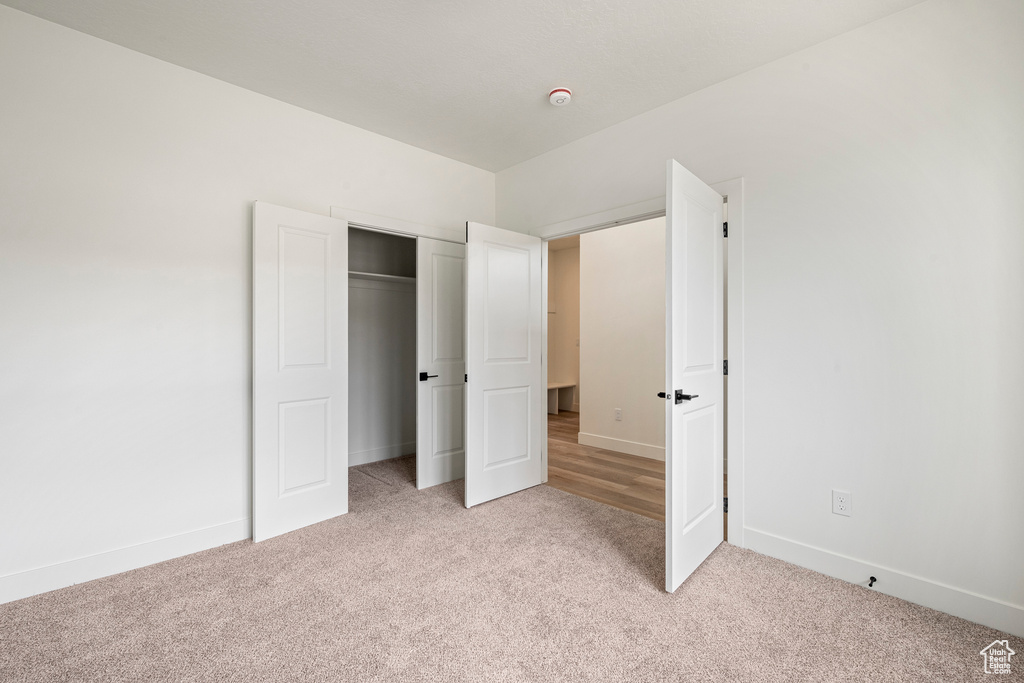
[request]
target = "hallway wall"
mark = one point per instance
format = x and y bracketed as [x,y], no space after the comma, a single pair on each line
[622,338]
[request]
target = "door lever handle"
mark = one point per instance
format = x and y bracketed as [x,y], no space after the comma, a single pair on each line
[679,395]
[424,376]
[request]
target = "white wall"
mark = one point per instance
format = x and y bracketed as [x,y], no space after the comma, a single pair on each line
[564,318]
[381,370]
[126,187]
[884,290]
[622,338]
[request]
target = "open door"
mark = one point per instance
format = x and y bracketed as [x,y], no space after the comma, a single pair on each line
[441,361]
[506,393]
[694,374]
[300,369]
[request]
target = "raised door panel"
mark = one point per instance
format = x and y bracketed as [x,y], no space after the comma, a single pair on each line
[506,330]
[447,324]
[506,415]
[304,315]
[305,437]
[448,437]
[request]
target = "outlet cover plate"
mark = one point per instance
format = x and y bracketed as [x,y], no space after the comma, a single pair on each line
[842,503]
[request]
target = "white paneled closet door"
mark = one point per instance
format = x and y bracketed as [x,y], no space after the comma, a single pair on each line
[300,369]
[506,408]
[694,374]
[441,362]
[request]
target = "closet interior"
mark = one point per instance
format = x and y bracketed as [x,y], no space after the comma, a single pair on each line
[382,346]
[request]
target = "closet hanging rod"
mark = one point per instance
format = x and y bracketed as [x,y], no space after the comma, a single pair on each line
[380,277]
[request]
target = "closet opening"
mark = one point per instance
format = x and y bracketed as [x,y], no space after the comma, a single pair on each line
[381,360]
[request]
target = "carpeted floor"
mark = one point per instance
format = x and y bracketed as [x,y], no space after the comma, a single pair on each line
[538,586]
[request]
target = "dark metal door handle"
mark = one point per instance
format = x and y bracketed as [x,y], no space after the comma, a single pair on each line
[424,376]
[680,396]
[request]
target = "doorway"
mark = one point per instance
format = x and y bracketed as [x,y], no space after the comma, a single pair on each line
[606,339]
[382,346]
[381,361]
[628,473]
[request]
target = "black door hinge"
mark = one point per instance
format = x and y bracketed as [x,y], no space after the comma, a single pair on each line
[725,229]
[467,378]
[725,367]
[725,505]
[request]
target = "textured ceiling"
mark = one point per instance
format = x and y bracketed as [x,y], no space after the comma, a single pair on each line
[468,79]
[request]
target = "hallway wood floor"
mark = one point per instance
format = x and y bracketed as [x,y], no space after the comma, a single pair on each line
[628,482]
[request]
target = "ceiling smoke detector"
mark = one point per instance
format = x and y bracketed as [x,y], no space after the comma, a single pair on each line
[560,97]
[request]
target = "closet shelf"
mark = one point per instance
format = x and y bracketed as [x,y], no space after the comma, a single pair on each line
[380,277]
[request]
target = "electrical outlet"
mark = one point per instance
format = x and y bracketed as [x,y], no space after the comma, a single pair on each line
[842,503]
[618,414]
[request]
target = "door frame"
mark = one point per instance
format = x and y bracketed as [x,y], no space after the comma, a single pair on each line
[734,298]
[369,221]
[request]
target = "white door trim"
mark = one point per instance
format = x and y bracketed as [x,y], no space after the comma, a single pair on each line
[734,432]
[544,256]
[369,221]
[631,213]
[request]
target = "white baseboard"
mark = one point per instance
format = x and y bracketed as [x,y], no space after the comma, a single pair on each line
[983,610]
[644,450]
[63,574]
[383,453]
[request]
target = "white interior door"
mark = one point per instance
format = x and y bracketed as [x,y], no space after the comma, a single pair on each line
[300,369]
[694,373]
[441,361]
[506,392]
